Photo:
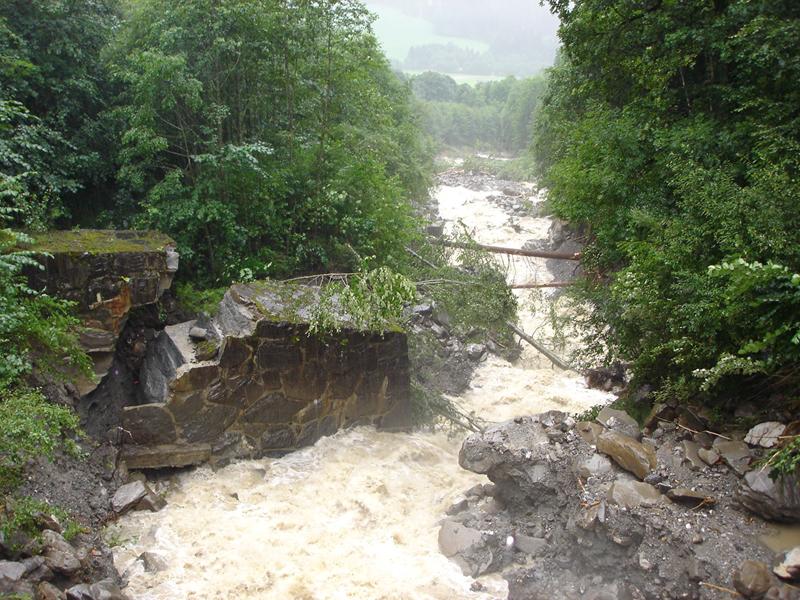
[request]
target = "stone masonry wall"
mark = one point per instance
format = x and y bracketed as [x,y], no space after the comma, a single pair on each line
[268,389]
[106,273]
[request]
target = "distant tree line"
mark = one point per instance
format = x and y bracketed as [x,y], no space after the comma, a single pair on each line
[494,116]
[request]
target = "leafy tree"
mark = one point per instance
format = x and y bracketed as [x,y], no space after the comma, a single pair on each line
[53,88]
[266,135]
[671,132]
[495,115]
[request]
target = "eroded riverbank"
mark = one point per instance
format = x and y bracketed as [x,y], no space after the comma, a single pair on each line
[355,516]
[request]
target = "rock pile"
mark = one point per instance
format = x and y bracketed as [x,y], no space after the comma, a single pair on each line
[604,510]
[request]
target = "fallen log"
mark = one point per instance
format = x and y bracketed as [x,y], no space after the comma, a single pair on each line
[513,251]
[536,286]
[559,362]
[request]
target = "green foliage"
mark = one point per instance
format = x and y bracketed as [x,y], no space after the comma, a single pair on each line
[197,301]
[590,414]
[31,427]
[266,137]
[785,460]
[23,519]
[54,143]
[670,132]
[467,285]
[32,325]
[495,115]
[368,301]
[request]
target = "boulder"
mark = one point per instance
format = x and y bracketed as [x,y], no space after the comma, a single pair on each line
[476,351]
[752,579]
[788,567]
[774,500]
[516,456]
[589,432]
[629,454]
[693,498]
[735,454]
[136,495]
[47,591]
[59,555]
[632,494]
[620,422]
[765,435]
[102,590]
[596,465]
[467,547]
[153,563]
[691,454]
[708,456]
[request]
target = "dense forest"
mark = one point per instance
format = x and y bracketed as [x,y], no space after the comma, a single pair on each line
[267,138]
[671,133]
[492,116]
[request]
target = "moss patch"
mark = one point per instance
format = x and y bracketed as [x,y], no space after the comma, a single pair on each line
[98,241]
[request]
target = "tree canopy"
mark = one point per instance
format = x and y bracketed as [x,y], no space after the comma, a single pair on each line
[671,131]
[268,137]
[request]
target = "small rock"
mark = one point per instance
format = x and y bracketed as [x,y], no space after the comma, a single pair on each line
[455,537]
[152,502]
[735,454]
[422,309]
[596,465]
[136,495]
[645,564]
[529,545]
[153,563]
[697,538]
[128,496]
[198,334]
[476,491]
[102,590]
[11,572]
[47,591]
[458,507]
[789,566]
[589,432]
[752,579]
[691,454]
[631,494]
[439,331]
[766,435]
[588,518]
[691,497]
[59,555]
[476,352]
[36,569]
[708,456]
[658,414]
[629,454]
[620,422]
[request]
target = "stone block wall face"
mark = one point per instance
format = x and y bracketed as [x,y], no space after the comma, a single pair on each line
[106,273]
[277,390]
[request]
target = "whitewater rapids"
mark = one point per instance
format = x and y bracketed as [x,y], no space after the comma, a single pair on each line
[355,516]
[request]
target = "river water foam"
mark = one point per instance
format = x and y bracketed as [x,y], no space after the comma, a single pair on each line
[355,516]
